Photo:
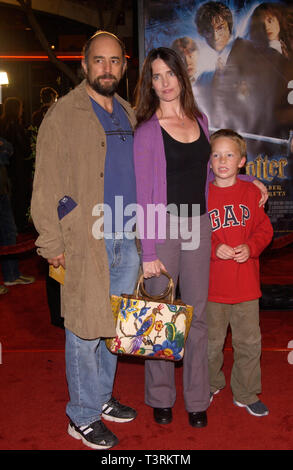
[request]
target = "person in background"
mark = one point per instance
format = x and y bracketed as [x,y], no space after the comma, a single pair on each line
[269,31]
[230,86]
[19,170]
[84,161]
[241,230]
[171,157]
[188,50]
[268,28]
[9,263]
[48,96]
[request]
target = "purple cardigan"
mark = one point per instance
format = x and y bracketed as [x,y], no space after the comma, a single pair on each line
[151,181]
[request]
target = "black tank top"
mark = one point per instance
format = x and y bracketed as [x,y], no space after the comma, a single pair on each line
[186,172]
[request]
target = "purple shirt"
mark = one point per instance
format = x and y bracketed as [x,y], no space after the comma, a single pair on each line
[151,180]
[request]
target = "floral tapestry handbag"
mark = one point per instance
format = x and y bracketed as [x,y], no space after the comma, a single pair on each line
[150,326]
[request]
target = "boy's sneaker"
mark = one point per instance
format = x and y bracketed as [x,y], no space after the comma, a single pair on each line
[3,290]
[95,435]
[20,280]
[212,395]
[256,409]
[115,411]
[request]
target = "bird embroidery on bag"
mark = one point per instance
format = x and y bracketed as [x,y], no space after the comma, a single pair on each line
[142,334]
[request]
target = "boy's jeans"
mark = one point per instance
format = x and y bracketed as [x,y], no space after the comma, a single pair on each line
[90,367]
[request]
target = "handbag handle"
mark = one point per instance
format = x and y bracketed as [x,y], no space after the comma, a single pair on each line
[169,291]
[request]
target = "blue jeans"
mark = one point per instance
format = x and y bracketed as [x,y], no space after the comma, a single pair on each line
[9,264]
[90,367]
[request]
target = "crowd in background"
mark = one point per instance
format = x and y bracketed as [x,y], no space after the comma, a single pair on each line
[17,142]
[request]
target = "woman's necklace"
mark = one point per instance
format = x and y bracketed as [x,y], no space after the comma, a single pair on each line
[181,120]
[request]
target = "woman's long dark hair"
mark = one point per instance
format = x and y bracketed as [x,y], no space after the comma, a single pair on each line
[147,101]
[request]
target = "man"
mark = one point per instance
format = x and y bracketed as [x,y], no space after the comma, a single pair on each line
[84,159]
[48,96]
[231,81]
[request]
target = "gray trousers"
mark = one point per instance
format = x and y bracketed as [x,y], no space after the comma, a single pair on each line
[191,269]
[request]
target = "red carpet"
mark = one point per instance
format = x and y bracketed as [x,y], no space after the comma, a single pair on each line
[33,391]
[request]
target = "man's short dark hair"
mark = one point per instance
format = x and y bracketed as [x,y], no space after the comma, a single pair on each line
[209,11]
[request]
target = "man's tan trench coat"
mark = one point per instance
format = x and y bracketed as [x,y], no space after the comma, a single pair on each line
[71,151]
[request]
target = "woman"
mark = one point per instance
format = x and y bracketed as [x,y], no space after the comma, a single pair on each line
[268,28]
[171,155]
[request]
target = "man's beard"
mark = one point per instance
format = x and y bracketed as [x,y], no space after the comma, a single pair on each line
[107,90]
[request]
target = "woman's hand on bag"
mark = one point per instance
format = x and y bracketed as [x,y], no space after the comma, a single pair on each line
[152,268]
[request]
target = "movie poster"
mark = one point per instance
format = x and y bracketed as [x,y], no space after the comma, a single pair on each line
[239,57]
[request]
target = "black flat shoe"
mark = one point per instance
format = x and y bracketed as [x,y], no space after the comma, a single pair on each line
[198,419]
[163,415]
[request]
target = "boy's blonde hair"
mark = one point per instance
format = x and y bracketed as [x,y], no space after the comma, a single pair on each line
[230,134]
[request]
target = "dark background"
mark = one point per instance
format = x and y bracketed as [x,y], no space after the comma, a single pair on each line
[27,77]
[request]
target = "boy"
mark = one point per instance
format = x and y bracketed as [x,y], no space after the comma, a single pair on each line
[240,232]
